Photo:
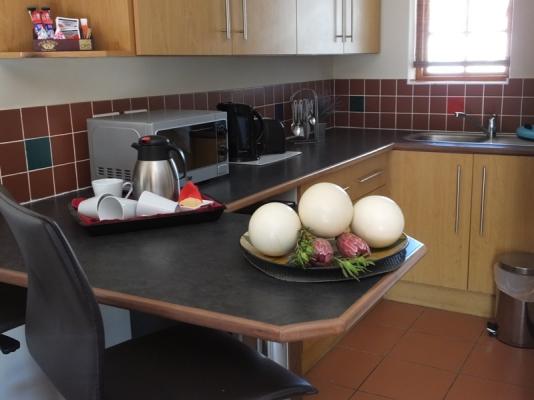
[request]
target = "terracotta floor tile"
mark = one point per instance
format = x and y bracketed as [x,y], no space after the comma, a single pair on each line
[434,351]
[471,388]
[447,323]
[345,367]
[402,380]
[375,339]
[394,314]
[497,361]
[367,396]
[330,391]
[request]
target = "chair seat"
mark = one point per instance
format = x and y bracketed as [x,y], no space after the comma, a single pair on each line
[13,309]
[190,362]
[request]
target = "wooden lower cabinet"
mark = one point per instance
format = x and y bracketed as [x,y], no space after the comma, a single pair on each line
[502,217]
[434,192]
[358,179]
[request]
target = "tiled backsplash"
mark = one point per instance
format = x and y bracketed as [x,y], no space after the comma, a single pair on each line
[394,104]
[44,150]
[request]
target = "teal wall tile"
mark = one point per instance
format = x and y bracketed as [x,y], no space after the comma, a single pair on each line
[38,153]
[356,104]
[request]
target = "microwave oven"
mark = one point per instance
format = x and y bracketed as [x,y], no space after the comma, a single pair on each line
[202,135]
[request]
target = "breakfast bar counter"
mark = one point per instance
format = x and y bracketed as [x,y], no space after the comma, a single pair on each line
[197,274]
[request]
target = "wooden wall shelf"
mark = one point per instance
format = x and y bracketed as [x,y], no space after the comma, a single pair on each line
[111,21]
[65,54]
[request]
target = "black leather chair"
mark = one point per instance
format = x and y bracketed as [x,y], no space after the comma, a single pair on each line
[65,336]
[12,311]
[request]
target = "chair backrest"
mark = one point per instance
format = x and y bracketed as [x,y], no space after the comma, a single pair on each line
[64,329]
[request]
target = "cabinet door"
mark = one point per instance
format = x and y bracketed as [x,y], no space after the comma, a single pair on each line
[362,26]
[434,192]
[182,27]
[264,27]
[503,215]
[319,24]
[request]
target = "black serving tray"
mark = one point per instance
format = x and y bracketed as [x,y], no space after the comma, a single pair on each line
[386,260]
[204,214]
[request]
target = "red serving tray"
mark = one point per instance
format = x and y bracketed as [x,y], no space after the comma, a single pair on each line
[207,213]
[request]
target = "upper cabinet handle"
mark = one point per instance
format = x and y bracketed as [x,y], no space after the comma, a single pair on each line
[245,18]
[344,21]
[351,36]
[228,20]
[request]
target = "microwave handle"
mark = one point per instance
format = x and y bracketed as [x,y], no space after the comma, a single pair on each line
[179,151]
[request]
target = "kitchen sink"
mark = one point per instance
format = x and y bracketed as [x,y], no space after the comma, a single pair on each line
[466,138]
[447,137]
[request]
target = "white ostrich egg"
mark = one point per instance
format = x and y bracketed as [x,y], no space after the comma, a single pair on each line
[378,220]
[273,229]
[326,209]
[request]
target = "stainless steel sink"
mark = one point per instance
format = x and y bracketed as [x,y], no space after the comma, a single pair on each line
[447,137]
[466,138]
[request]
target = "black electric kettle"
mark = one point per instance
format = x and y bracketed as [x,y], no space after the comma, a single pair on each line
[155,170]
[245,130]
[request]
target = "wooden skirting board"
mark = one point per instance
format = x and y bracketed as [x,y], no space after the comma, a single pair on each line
[479,304]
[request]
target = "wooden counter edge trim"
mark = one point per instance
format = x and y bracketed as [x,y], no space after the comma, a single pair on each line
[272,191]
[286,333]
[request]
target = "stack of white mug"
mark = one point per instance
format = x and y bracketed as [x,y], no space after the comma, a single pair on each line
[109,203]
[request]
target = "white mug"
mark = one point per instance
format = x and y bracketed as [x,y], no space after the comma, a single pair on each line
[116,208]
[114,186]
[151,204]
[89,207]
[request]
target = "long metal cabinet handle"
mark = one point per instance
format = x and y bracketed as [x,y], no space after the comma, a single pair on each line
[245,18]
[351,36]
[344,21]
[228,20]
[458,195]
[352,20]
[483,201]
[372,175]
[336,36]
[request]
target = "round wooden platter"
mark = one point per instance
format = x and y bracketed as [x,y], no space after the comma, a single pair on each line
[386,260]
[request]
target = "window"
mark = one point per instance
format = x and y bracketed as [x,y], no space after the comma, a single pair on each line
[463,39]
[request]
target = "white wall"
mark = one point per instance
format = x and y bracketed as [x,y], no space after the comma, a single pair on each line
[32,82]
[396,55]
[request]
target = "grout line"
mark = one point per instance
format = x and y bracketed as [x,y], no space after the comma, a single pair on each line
[74,143]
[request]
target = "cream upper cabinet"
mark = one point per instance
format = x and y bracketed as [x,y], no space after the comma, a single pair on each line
[319,26]
[264,27]
[183,27]
[338,26]
[502,214]
[362,26]
[434,192]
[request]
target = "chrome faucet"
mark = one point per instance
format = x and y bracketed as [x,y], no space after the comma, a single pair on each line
[490,130]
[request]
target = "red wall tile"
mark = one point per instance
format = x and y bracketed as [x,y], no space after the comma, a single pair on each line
[18,187]
[10,125]
[372,87]
[34,122]
[62,149]
[41,183]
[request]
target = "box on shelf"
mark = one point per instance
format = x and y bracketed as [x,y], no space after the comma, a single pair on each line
[48,45]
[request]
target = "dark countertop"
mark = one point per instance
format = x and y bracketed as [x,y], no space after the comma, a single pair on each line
[197,274]
[246,185]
